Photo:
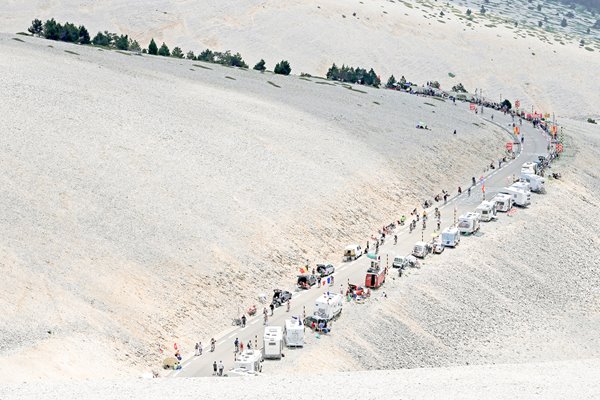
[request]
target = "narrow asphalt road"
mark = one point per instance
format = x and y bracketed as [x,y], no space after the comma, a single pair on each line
[535,144]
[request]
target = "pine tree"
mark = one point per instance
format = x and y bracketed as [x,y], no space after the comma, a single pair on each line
[164,50]
[36,27]
[391,82]
[51,29]
[84,36]
[190,55]
[122,42]
[101,40]
[152,48]
[177,52]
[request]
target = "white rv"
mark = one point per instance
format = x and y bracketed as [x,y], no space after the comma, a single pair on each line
[247,363]
[529,168]
[273,342]
[293,332]
[503,202]
[450,237]
[536,183]
[468,223]
[328,306]
[487,210]
[524,186]
[520,197]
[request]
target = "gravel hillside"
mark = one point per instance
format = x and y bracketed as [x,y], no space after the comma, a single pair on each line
[504,51]
[146,199]
[526,290]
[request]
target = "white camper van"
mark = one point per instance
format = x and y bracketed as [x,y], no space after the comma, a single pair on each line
[450,237]
[487,210]
[536,183]
[503,202]
[524,186]
[247,363]
[328,306]
[293,332]
[468,223]
[529,168]
[520,197]
[273,342]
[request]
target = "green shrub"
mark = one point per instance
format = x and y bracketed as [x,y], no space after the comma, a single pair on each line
[282,68]
[260,66]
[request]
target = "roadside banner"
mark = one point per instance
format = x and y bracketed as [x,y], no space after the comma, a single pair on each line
[517,103]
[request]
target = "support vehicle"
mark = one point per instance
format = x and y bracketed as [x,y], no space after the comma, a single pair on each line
[273,342]
[519,197]
[375,275]
[352,252]
[486,210]
[328,306]
[468,223]
[325,270]
[450,237]
[293,332]
[306,281]
[503,202]
[421,249]
[247,363]
[280,297]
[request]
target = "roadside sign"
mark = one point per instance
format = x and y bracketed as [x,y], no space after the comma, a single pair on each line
[472,106]
[559,148]
[509,146]
[517,103]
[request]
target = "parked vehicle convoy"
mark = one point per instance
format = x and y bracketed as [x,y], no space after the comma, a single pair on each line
[486,210]
[450,237]
[306,281]
[328,306]
[519,197]
[468,223]
[247,363]
[536,183]
[273,342]
[325,270]
[375,275]
[352,252]
[293,332]
[404,261]
[421,249]
[280,297]
[503,202]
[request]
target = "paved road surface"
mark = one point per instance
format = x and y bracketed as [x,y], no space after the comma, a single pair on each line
[535,144]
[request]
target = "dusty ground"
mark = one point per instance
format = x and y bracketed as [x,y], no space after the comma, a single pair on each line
[556,380]
[146,199]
